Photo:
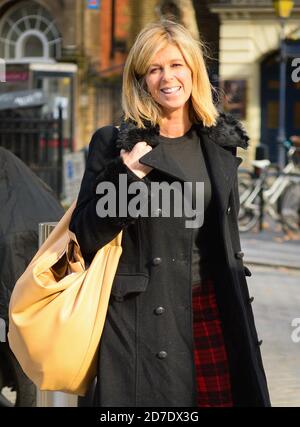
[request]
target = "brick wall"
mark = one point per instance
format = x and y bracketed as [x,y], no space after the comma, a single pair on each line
[111,56]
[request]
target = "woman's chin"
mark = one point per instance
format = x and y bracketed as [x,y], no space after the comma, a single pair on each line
[170,107]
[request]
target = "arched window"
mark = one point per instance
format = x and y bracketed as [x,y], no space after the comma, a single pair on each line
[28,33]
[33,46]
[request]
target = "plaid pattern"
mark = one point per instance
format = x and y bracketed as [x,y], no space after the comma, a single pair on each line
[213,381]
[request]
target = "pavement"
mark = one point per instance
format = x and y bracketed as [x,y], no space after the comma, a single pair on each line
[275,285]
[271,247]
[276,309]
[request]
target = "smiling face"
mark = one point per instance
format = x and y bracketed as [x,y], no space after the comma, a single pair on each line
[169,79]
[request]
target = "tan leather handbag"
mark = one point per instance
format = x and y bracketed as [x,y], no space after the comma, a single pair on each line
[58,308]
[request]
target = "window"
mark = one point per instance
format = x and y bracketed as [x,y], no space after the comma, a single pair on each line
[33,46]
[28,33]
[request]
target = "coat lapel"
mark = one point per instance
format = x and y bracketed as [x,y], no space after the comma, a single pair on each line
[221,163]
[222,166]
[158,159]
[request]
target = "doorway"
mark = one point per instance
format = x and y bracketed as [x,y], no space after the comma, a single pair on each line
[269,92]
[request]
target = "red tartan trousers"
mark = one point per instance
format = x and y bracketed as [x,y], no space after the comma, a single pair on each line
[212,372]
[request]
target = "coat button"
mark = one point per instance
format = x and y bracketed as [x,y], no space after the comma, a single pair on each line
[239,255]
[162,354]
[156,261]
[251,300]
[247,271]
[228,210]
[159,310]
[259,343]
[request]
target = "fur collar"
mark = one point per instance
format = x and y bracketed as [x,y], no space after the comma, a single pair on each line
[228,132]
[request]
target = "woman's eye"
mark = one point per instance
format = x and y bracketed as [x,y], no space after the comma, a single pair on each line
[154,70]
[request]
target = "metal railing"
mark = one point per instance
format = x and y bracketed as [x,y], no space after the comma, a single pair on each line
[37,141]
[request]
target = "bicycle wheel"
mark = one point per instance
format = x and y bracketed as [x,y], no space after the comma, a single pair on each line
[248,216]
[290,207]
[249,219]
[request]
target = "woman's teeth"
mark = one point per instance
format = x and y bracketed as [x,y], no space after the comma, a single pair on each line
[171,89]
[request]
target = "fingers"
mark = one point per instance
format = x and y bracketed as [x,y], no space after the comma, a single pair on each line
[141,144]
[137,151]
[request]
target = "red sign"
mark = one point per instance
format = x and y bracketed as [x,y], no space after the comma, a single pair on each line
[17,76]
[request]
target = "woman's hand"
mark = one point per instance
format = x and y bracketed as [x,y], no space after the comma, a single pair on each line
[131,158]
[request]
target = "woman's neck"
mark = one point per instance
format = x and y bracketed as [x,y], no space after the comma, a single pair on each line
[175,125]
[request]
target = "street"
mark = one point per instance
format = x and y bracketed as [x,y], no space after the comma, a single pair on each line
[276,303]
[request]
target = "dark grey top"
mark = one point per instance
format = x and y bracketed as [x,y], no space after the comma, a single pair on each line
[186,150]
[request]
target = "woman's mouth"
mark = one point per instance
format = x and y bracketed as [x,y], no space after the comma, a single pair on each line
[170,90]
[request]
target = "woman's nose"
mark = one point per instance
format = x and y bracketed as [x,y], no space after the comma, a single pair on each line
[168,74]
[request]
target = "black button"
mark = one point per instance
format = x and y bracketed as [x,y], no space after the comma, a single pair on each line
[162,354]
[251,300]
[159,310]
[239,255]
[247,271]
[259,343]
[156,261]
[228,210]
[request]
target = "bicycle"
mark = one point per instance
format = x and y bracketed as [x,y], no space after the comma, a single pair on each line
[276,194]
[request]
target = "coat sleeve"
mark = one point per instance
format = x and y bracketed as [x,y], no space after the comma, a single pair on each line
[103,164]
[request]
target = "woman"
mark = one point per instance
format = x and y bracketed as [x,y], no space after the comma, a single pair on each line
[179,329]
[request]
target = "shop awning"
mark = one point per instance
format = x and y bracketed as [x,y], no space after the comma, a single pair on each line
[22,99]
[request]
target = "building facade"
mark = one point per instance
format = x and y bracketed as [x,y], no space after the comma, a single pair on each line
[52,46]
[249,68]
[75,50]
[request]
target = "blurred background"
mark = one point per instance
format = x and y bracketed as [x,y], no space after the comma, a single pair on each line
[61,65]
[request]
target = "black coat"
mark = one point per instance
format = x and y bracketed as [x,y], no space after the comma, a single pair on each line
[150,309]
[25,202]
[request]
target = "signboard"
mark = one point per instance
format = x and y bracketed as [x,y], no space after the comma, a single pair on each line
[73,170]
[93,4]
[17,76]
[22,99]
[234,97]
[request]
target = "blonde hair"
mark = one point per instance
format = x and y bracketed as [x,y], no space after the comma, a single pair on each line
[137,103]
